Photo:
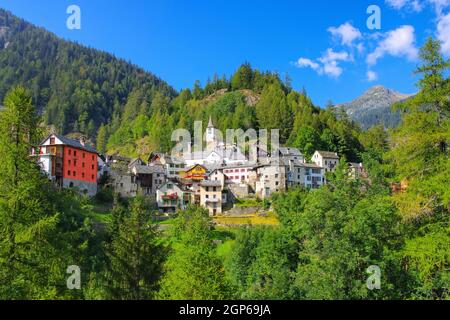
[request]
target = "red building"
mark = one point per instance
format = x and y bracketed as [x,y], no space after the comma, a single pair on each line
[70,163]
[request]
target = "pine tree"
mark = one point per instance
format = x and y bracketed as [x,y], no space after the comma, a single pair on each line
[102,138]
[135,256]
[27,220]
[193,269]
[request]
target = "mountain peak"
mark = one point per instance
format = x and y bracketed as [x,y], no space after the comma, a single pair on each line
[374,107]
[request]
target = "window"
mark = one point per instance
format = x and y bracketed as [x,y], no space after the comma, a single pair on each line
[74,173]
[70,152]
[93,178]
[52,140]
[70,162]
[82,165]
[92,167]
[82,175]
[68,173]
[75,163]
[93,159]
[74,153]
[84,155]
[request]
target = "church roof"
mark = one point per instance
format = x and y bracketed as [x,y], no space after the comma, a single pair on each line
[210,124]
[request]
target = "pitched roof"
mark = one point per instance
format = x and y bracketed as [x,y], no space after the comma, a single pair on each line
[210,124]
[209,183]
[71,142]
[285,151]
[141,169]
[328,154]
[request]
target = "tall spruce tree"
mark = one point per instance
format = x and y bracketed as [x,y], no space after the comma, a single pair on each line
[27,221]
[193,269]
[135,256]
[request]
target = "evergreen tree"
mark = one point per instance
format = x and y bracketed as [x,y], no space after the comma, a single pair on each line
[33,249]
[135,256]
[193,269]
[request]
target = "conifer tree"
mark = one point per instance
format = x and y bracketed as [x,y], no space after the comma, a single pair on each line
[135,256]
[27,221]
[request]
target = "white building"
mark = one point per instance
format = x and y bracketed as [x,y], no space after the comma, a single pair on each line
[326,159]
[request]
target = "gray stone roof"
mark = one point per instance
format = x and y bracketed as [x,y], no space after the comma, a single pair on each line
[208,183]
[290,152]
[141,169]
[72,143]
[328,154]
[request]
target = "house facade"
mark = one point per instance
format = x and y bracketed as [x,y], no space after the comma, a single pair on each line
[212,196]
[326,159]
[170,197]
[69,163]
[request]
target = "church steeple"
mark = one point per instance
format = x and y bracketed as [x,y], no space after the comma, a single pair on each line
[211,138]
[210,124]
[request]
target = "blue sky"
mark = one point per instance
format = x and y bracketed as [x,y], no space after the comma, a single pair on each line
[325,46]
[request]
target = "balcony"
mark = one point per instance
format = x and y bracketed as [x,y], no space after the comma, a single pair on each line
[212,200]
[170,197]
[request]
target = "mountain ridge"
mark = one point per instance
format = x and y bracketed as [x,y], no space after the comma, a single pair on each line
[75,87]
[374,107]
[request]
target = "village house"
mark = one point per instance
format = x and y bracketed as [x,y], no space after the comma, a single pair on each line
[147,179]
[170,197]
[196,173]
[212,196]
[271,178]
[291,154]
[238,174]
[132,177]
[69,163]
[326,159]
[174,167]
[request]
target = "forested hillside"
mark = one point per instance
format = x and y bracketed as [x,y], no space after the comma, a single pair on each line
[75,87]
[249,99]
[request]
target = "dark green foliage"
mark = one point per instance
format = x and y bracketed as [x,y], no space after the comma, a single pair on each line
[78,88]
[135,256]
[193,269]
[42,230]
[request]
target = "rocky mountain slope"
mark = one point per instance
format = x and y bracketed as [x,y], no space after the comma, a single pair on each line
[374,107]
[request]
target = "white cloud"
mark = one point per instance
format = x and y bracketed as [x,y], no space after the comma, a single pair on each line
[328,64]
[443,33]
[305,63]
[331,55]
[418,5]
[399,43]
[372,76]
[346,33]
[439,5]
[415,5]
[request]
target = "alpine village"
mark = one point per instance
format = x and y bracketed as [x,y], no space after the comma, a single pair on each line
[89,179]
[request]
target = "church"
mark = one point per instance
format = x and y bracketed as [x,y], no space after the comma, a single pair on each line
[217,153]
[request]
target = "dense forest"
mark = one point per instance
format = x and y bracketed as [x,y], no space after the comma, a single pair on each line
[76,88]
[324,243]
